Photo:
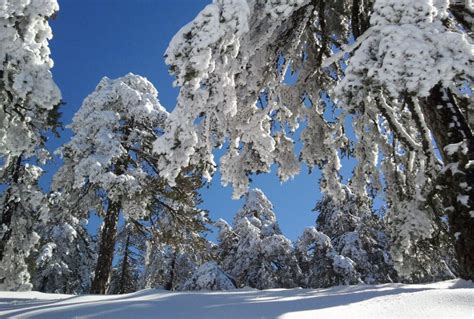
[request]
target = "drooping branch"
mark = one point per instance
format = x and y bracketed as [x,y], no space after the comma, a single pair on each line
[396,127]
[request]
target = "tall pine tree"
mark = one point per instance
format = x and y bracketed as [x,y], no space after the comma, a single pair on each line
[29,99]
[107,164]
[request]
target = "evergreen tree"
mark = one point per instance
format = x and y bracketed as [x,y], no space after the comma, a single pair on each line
[322,266]
[158,266]
[176,246]
[387,88]
[167,267]
[209,277]
[398,81]
[28,95]
[107,164]
[126,274]
[65,260]
[357,233]
[227,244]
[254,252]
[28,108]
[423,260]
[21,234]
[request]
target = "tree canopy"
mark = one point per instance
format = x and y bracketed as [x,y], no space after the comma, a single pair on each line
[399,70]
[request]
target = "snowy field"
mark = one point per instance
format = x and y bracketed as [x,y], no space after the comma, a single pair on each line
[448,299]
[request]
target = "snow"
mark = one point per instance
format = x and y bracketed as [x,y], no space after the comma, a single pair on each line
[448,299]
[463,199]
[454,148]
[408,50]
[218,60]
[99,141]
[25,75]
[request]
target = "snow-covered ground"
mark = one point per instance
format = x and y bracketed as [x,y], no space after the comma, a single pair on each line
[449,299]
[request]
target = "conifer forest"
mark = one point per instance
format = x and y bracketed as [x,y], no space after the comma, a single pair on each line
[373,95]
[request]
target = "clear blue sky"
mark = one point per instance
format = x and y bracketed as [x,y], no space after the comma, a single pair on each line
[96,38]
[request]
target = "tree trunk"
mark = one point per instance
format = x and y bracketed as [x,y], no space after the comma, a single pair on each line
[170,284]
[106,250]
[450,128]
[9,206]
[124,266]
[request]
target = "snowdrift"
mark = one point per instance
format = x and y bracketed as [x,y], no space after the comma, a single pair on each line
[448,299]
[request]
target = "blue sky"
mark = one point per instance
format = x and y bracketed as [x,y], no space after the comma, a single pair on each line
[96,38]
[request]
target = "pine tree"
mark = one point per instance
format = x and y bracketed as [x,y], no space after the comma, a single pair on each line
[176,247]
[254,252]
[127,272]
[29,99]
[322,266]
[227,244]
[167,267]
[422,260]
[357,233]
[21,235]
[387,88]
[209,277]
[159,266]
[64,262]
[107,164]
[29,96]
[115,173]
[400,84]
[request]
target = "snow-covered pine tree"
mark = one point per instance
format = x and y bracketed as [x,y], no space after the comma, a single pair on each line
[176,246]
[322,266]
[28,108]
[406,69]
[358,233]
[167,267]
[65,260]
[107,163]
[209,276]
[130,254]
[254,252]
[423,260]
[224,63]
[30,204]
[158,269]
[28,96]
[228,241]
